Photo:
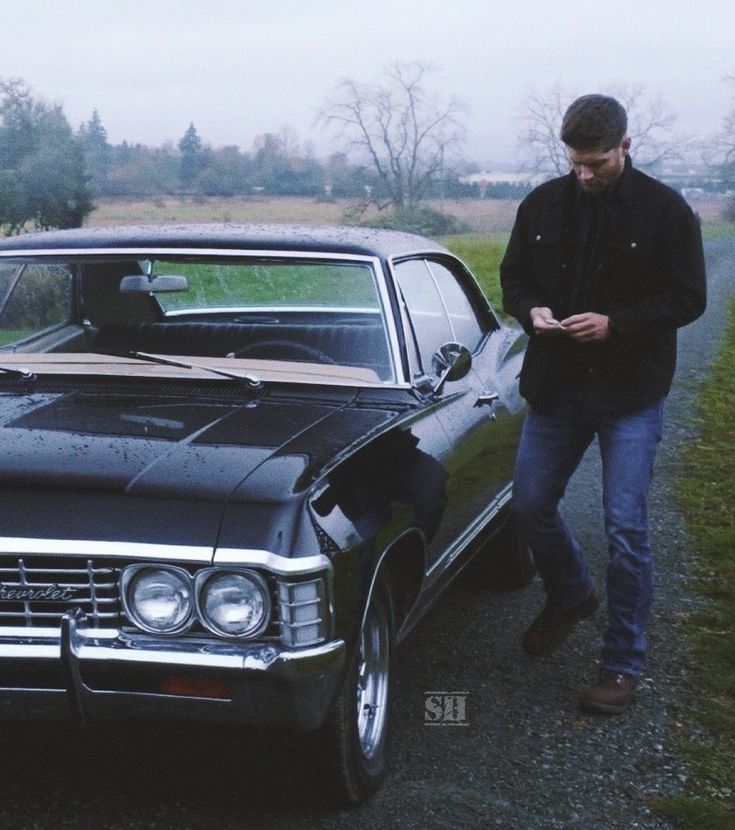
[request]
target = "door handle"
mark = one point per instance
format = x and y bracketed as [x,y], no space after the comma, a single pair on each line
[487,398]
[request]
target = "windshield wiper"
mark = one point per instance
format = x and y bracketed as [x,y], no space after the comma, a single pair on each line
[22,374]
[251,380]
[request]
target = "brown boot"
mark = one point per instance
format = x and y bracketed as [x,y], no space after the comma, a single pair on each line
[552,626]
[612,693]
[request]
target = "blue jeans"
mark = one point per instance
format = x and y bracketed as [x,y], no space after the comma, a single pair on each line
[551,448]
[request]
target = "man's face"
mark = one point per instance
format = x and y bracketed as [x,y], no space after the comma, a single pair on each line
[597,170]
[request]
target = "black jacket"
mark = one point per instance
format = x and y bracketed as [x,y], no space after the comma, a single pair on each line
[649,279]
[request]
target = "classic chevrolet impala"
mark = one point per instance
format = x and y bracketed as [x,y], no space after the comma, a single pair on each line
[237,464]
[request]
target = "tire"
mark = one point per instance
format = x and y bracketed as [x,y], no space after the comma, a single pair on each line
[353,740]
[503,563]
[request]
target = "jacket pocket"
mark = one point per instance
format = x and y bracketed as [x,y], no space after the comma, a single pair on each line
[633,268]
[545,248]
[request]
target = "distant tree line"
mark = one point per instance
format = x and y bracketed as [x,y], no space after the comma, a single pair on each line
[276,166]
[399,146]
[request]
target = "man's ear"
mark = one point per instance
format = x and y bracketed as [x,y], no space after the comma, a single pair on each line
[625,145]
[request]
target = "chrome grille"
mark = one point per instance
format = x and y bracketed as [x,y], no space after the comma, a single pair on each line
[35,592]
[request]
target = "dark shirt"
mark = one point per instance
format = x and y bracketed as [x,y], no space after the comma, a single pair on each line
[591,218]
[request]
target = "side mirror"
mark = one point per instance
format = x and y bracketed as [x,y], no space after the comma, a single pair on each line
[452,361]
[153,284]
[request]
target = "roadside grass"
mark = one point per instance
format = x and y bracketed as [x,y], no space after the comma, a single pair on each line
[706,490]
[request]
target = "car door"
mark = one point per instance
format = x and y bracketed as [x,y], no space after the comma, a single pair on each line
[481,413]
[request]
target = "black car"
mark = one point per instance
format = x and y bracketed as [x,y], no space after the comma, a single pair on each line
[237,464]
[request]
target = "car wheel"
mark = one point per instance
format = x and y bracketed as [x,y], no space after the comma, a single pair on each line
[503,563]
[354,737]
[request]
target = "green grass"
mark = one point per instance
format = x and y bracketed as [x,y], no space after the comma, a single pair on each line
[8,336]
[712,230]
[482,254]
[706,730]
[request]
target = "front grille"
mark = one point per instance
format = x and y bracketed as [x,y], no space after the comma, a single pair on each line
[36,592]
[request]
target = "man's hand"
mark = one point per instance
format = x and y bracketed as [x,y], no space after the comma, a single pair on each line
[543,321]
[587,328]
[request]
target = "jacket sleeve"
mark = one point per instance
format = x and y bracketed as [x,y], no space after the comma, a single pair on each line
[515,274]
[684,286]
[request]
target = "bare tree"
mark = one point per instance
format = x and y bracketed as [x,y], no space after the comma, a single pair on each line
[719,156]
[650,127]
[721,150]
[405,134]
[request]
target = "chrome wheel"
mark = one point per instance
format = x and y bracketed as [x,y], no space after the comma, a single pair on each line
[373,677]
[353,740]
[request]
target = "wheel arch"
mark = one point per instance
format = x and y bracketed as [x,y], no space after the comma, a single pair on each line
[401,569]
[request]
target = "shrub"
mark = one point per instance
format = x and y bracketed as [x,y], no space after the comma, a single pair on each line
[421,220]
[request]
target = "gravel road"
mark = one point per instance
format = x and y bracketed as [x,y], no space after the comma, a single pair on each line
[526,759]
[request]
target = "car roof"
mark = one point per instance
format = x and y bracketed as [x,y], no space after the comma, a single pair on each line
[262,237]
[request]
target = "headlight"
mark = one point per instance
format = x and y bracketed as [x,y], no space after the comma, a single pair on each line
[159,599]
[233,604]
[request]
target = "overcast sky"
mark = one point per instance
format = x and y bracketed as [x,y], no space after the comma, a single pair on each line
[238,68]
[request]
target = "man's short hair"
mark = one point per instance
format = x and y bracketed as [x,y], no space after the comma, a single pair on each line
[594,123]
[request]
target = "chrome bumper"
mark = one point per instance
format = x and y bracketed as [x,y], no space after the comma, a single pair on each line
[88,674]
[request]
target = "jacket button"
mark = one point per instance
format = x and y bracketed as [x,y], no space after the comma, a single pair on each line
[538,238]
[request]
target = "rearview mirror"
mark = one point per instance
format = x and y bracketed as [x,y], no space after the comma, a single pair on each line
[153,284]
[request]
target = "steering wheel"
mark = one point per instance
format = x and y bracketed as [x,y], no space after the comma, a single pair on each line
[284,350]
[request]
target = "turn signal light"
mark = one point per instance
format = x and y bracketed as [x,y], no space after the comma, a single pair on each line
[192,687]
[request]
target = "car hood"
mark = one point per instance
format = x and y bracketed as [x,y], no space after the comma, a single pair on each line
[138,463]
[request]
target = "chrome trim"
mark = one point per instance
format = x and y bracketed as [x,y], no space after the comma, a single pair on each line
[136,251]
[451,553]
[260,309]
[149,649]
[101,548]
[287,606]
[273,562]
[38,633]
[389,318]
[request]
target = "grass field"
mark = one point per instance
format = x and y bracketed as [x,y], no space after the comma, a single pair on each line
[707,493]
[477,215]
[486,216]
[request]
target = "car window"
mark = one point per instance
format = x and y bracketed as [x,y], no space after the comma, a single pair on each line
[35,298]
[440,310]
[272,284]
[429,319]
[466,327]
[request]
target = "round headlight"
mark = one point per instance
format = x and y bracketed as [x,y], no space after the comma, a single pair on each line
[160,600]
[234,604]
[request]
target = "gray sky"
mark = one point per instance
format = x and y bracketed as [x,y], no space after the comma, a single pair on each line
[238,69]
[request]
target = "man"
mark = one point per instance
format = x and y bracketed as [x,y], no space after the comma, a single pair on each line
[602,267]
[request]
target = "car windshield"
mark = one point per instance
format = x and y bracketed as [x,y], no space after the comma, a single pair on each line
[261,310]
